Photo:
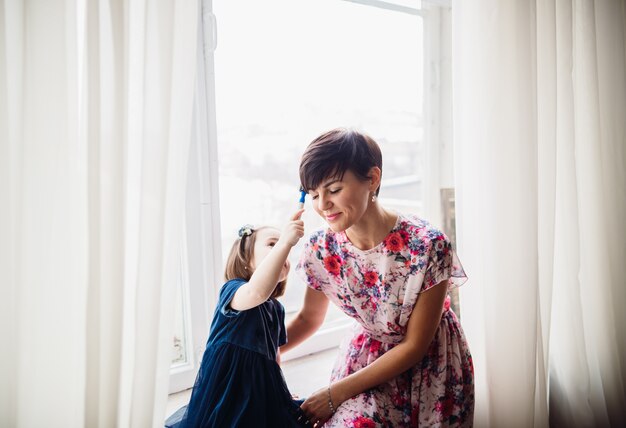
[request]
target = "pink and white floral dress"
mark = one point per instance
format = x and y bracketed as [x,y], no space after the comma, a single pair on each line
[379,288]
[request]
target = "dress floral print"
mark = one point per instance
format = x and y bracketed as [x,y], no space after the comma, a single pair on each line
[379,288]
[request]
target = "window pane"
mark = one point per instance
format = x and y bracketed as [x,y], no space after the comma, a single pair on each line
[287,71]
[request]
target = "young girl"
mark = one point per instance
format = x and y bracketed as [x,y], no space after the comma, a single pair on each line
[240,383]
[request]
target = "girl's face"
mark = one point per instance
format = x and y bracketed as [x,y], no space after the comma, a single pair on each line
[343,202]
[266,238]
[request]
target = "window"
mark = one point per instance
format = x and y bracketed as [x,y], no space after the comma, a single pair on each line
[201,258]
[287,71]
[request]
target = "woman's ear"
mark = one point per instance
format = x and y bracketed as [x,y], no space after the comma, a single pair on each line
[375,175]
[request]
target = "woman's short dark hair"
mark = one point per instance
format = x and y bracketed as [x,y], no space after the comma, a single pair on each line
[334,152]
[240,257]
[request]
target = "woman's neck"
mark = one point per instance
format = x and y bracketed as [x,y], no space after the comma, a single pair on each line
[372,227]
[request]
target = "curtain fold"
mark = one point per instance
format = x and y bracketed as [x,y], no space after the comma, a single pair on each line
[540,101]
[95,123]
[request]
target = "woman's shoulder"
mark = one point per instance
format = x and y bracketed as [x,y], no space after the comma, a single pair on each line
[321,233]
[415,225]
[322,237]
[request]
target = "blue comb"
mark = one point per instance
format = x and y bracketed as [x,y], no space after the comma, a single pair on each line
[302,196]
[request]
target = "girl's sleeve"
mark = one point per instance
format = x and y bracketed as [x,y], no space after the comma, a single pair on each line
[226,296]
[310,268]
[443,264]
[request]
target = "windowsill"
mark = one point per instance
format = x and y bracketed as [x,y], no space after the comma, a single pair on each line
[304,375]
[307,374]
[328,336]
[176,401]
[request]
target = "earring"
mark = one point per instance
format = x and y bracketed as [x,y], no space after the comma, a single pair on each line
[374,198]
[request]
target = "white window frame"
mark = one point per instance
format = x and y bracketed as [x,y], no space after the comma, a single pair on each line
[439,171]
[201,257]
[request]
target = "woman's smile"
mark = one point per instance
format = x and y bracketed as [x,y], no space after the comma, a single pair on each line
[331,217]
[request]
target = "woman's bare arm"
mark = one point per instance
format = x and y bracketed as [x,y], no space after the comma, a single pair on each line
[421,329]
[308,319]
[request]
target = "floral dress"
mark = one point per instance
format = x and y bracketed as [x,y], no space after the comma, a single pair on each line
[379,288]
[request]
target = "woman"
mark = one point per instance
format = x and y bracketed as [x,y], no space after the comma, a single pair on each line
[407,363]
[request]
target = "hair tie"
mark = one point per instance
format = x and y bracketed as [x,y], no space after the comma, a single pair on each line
[245,230]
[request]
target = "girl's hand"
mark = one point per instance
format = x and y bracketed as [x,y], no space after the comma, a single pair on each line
[316,407]
[293,231]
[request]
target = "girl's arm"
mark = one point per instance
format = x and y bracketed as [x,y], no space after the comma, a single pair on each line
[308,320]
[266,275]
[421,329]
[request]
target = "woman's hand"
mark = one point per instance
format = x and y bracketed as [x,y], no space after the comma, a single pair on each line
[316,407]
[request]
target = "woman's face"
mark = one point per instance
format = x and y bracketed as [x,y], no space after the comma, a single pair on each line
[343,202]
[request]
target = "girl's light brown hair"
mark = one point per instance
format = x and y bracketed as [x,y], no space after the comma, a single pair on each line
[239,258]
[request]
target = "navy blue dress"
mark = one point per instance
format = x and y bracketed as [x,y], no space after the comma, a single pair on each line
[240,384]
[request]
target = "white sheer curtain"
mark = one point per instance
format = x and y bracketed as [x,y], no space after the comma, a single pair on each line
[540,158]
[95,122]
